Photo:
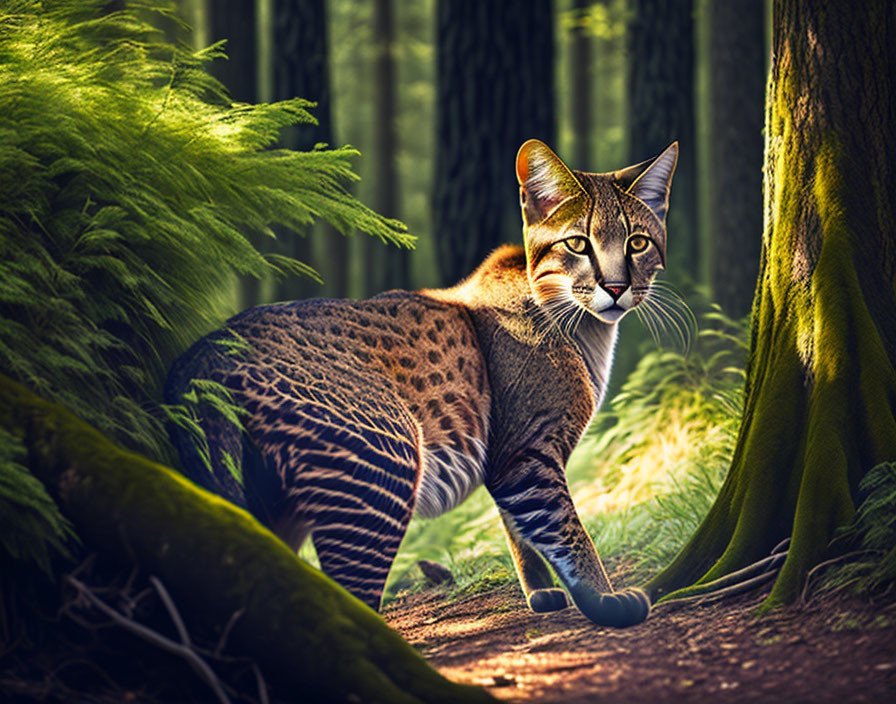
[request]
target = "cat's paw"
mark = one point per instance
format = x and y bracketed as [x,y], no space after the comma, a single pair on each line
[544,600]
[618,609]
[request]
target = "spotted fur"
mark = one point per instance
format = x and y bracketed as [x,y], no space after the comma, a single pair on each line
[360,413]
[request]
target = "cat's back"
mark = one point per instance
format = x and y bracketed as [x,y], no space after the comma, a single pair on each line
[402,339]
[399,353]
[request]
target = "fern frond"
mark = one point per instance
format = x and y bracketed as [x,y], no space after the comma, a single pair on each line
[132,189]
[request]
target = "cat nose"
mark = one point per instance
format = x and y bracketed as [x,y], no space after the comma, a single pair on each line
[615,290]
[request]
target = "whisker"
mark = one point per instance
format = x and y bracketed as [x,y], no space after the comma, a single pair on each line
[666,326]
[669,308]
[673,319]
[644,315]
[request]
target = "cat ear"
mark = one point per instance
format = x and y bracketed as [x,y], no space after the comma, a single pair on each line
[651,180]
[545,181]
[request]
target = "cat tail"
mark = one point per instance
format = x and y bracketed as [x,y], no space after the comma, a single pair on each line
[208,438]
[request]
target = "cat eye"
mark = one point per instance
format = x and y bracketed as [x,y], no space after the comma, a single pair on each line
[638,243]
[576,245]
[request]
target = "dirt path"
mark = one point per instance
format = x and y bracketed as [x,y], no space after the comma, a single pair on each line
[829,651]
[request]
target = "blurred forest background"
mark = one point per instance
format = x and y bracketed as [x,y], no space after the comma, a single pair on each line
[437,95]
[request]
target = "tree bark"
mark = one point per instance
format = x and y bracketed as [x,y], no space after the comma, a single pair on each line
[235,21]
[661,110]
[820,407]
[580,69]
[495,90]
[307,633]
[387,267]
[300,70]
[737,92]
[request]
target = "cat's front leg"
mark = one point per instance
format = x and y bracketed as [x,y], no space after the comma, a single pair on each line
[534,574]
[538,511]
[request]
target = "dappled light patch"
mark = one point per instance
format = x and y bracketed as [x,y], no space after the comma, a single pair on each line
[827,650]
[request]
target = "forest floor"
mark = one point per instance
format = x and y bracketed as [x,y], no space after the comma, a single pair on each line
[833,649]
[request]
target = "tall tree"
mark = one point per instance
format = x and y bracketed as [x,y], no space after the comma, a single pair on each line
[495,66]
[737,92]
[386,268]
[580,64]
[661,110]
[235,22]
[820,407]
[299,67]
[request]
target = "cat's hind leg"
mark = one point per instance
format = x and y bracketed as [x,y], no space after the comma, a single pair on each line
[354,479]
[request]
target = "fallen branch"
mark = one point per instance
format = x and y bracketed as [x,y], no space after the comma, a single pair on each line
[183,650]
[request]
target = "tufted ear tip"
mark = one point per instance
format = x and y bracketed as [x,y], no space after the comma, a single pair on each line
[651,180]
[545,181]
[523,158]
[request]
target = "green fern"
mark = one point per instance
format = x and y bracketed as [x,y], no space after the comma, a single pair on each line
[868,543]
[31,527]
[131,189]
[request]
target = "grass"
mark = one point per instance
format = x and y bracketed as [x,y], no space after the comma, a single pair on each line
[644,475]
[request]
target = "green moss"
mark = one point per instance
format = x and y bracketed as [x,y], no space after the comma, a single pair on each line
[821,390]
[303,629]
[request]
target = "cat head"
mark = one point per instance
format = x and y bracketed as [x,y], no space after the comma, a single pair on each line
[593,241]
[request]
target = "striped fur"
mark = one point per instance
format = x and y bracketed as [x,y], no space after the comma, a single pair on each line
[360,413]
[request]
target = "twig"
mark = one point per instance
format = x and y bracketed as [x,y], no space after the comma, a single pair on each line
[767,565]
[735,583]
[783,546]
[197,663]
[222,641]
[172,609]
[85,565]
[81,662]
[733,590]
[262,686]
[129,583]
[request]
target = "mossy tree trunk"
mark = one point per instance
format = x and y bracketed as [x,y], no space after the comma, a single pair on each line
[307,634]
[820,407]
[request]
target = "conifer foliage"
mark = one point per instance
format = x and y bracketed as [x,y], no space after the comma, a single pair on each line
[130,188]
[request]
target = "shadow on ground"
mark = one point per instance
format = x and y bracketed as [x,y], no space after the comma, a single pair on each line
[831,650]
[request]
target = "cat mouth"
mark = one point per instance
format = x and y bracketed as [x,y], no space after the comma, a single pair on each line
[611,314]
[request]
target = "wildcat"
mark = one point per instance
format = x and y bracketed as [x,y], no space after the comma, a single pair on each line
[360,413]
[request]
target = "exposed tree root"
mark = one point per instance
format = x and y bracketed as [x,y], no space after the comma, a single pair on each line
[729,585]
[183,649]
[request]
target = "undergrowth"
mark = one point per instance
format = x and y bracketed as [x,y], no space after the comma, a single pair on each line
[131,189]
[645,474]
[865,561]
